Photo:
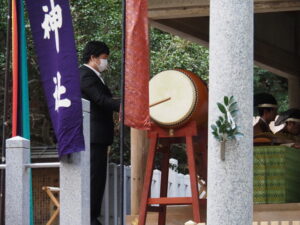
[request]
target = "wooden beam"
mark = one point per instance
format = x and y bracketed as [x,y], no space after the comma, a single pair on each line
[181,12]
[276,60]
[293,93]
[274,70]
[171,201]
[155,4]
[266,56]
[166,9]
[185,29]
[266,6]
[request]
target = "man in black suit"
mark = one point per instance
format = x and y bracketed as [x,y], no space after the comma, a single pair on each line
[93,88]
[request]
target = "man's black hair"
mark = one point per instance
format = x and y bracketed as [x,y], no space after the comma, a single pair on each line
[94,48]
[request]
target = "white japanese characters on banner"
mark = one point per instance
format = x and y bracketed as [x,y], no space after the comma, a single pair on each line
[52,21]
[52,30]
[59,90]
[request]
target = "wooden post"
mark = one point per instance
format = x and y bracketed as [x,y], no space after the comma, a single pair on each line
[293,90]
[139,150]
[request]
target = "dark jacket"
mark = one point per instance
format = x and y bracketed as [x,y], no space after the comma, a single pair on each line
[261,127]
[102,106]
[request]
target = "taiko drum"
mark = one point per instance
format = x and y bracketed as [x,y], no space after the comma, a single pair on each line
[178,97]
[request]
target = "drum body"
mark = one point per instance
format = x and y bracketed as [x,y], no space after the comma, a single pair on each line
[178,97]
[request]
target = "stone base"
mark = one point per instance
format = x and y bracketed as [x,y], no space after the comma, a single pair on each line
[277,212]
[178,215]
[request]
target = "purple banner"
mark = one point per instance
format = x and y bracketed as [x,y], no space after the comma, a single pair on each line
[52,30]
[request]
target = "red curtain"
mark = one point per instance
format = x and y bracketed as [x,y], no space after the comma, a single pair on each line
[137,65]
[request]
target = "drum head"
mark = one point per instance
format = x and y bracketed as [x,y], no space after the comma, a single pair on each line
[181,92]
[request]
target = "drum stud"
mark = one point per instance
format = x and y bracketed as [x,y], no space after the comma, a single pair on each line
[171,132]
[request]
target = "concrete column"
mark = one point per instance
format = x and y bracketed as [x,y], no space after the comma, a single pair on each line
[230,182]
[294,88]
[75,180]
[17,181]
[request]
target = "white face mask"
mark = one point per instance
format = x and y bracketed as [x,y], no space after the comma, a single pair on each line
[103,65]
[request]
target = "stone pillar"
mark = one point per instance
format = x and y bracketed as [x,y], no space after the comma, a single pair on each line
[17,207]
[75,180]
[294,88]
[139,149]
[230,182]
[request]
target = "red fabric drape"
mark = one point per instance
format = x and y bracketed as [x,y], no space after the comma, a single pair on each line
[137,65]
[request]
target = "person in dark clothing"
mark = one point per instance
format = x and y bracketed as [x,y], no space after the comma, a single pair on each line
[266,105]
[291,131]
[94,89]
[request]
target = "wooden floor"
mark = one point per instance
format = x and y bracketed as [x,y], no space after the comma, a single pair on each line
[264,214]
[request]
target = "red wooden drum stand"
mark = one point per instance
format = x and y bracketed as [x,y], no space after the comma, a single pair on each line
[167,137]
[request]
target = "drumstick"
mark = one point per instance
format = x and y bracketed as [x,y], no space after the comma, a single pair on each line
[159,102]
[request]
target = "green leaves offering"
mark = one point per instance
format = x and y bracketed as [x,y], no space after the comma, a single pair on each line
[225,127]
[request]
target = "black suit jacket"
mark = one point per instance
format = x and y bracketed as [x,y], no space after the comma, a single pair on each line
[102,106]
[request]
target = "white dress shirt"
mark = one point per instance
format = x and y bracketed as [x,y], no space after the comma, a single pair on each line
[98,74]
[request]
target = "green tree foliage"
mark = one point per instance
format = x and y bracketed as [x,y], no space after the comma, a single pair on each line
[3,27]
[100,20]
[170,52]
[265,81]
